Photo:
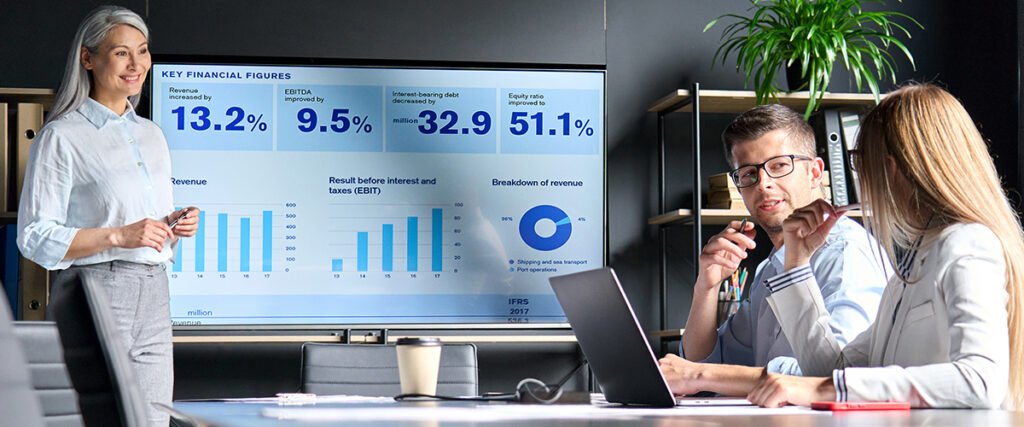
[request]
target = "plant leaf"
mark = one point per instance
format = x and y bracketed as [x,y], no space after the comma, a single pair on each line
[711,24]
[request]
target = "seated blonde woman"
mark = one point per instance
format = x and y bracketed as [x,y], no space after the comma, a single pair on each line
[948,330]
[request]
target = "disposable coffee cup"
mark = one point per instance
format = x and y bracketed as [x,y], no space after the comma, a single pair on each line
[418,363]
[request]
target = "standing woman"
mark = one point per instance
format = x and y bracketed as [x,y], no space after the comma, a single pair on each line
[97,193]
[949,331]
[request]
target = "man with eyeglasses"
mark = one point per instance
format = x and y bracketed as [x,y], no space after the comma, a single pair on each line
[772,149]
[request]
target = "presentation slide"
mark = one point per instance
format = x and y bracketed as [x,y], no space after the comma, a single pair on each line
[354,195]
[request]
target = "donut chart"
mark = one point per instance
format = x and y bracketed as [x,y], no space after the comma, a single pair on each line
[528,228]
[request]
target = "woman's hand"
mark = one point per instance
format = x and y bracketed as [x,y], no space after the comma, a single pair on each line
[186,226]
[775,390]
[148,233]
[806,230]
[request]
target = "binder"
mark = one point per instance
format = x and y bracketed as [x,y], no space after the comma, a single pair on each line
[30,119]
[34,278]
[9,266]
[851,127]
[828,132]
[4,172]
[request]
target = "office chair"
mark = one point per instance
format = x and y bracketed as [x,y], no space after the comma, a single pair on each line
[18,405]
[372,370]
[108,393]
[41,346]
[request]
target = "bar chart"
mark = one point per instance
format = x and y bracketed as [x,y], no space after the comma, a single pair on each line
[378,238]
[234,238]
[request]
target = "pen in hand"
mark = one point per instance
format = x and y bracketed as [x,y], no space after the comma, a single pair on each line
[743,225]
[179,218]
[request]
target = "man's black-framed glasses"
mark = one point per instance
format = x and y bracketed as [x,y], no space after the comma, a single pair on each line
[775,167]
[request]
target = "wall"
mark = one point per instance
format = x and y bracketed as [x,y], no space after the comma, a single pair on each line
[650,47]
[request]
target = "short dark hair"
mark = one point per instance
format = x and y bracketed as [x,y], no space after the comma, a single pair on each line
[757,121]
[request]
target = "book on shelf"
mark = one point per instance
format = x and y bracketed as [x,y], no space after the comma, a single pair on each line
[720,195]
[720,181]
[723,194]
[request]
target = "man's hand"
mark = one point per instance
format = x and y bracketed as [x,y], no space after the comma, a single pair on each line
[806,230]
[775,390]
[148,233]
[680,374]
[723,253]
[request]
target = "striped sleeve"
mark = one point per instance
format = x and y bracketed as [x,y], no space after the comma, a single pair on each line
[788,278]
[839,382]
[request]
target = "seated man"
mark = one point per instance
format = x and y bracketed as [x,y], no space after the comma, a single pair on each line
[773,150]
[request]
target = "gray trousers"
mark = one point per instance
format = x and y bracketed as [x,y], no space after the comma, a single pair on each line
[140,302]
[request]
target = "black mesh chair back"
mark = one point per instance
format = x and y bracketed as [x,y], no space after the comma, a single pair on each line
[108,394]
[18,405]
[41,346]
[372,370]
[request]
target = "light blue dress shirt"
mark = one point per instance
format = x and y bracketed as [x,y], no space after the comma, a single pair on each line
[93,168]
[854,276]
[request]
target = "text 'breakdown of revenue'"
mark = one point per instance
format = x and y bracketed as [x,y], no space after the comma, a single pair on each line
[201,116]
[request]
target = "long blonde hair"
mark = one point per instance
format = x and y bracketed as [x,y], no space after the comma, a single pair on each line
[948,171]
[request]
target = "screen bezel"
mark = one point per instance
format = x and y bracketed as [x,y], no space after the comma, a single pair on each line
[172,59]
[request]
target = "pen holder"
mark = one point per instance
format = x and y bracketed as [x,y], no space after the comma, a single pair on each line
[726,308]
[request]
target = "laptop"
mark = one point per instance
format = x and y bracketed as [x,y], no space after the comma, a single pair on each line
[610,336]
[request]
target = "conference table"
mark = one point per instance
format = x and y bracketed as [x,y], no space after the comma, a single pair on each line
[384,411]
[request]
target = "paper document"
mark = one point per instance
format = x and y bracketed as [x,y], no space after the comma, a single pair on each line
[503,412]
[301,399]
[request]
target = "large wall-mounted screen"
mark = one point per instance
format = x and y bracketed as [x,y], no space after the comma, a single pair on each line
[362,195]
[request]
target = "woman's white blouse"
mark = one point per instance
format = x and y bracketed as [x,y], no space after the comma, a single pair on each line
[941,341]
[93,168]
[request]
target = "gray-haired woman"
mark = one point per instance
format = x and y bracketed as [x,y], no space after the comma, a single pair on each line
[97,195]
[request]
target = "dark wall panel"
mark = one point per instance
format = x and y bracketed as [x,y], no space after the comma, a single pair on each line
[533,31]
[35,38]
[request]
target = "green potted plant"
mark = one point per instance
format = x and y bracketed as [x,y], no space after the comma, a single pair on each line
[807,38]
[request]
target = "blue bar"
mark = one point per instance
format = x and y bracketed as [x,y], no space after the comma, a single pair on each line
[177,253]
[222,242]
[387,250]
[335,265]
[362,251]
[201,243]
[435,244]
[243,253]
[411,242]
[268,244]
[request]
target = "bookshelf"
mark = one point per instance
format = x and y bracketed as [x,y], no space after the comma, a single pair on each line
[21,116]
[712,216]
[696,102]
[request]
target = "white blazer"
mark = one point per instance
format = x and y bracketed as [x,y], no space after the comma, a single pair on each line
[941,341]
